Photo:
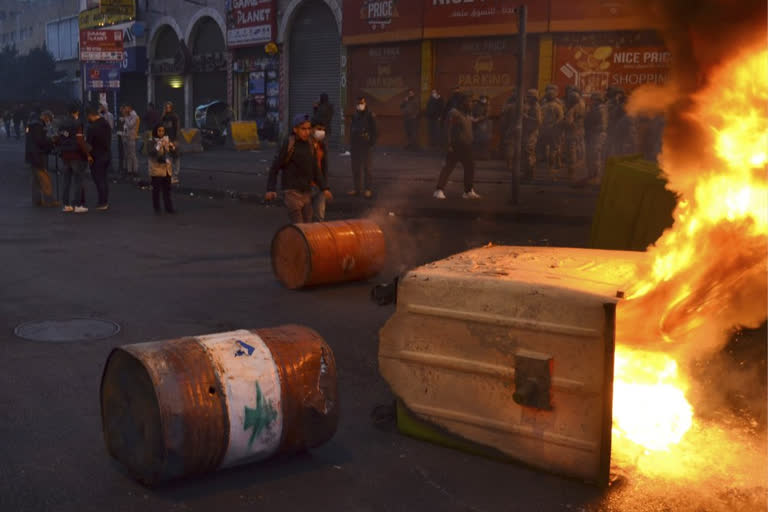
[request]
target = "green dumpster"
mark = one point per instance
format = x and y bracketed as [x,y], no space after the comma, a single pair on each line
[634,208]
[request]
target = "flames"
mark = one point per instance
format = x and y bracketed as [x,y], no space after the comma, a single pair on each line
[706,274]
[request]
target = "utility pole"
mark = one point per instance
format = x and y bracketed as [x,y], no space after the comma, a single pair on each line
[522,15]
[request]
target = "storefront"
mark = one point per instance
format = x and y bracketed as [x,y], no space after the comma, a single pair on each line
[133,68]
[169,67]
[251,30]
[209,63]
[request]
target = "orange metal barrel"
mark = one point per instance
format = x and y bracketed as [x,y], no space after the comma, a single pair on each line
[328,252]
[193,405]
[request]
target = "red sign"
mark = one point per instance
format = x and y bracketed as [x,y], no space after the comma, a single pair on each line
[250,22]
[480,17]
[595,68]
[376,21]
[101,45]
[592,15]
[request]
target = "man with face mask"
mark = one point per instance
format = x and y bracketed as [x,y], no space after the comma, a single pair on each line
[552,115]
[319,134]
[37,147]
[362,135]
[410,109]
[435,107]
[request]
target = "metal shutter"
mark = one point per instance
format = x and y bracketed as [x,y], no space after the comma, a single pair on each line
[315,62]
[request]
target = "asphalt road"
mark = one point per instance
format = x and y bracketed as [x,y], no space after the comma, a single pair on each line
[207,270]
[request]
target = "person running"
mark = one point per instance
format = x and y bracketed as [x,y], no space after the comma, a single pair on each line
[459,150]
[298,162]
[75,155]
[160,161]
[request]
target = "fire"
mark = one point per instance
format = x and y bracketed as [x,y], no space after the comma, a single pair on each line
[706,274]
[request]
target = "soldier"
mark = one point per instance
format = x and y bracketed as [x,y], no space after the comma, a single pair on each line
[552,115]
[595,131]
[573,125]
[531,124]
[622,129]
[508,129]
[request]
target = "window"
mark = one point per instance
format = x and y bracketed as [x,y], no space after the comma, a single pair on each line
[61,38]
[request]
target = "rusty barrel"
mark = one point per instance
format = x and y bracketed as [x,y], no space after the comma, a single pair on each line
[193,405]
[328,252]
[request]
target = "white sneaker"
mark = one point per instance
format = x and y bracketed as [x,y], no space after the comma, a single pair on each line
[67,209]
[439,194]
[81,209]
[471,195]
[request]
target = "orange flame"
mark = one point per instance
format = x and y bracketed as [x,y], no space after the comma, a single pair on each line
[706,274]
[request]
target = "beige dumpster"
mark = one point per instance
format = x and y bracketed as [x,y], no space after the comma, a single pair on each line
[512,348]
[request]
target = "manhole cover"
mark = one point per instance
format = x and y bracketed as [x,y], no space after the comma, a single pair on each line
[63,331]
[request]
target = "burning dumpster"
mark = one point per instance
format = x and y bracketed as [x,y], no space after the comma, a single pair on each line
[328,252]
[194,405]
[512,348]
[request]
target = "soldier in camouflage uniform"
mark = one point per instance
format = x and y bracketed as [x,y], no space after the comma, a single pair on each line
[573,124]
[622,136]
[552,115]
[531,124]
[595,132]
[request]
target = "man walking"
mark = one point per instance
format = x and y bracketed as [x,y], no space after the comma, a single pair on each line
[410,109]
[362,135]
[37,148]
[298,162]
[74,154]
[99,138]
[459,150]
[435,107]
[131,123]
[172,124]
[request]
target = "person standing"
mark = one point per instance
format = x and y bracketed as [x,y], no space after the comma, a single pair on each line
[410,110]
[131,122]
[37,147]
[298,162]
[531,125]
[19,115]
[172,125]
[321,153]
[151,118]
[435,107]
[595,133]
[509,129]
[323,112]
[159,159]
[8,121]
[482,128]
[622,131]
[75,155]
[459,150]
[552,115]
[573,128]
[362,138]
[99,138]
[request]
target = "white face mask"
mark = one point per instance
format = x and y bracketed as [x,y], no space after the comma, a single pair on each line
[361,107]
[319,135]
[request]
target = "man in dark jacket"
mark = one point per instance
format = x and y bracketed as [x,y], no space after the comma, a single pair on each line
[323,112]
[362,139]
[172,126]
[410,109]
[151,118]
[99,138]
[75,155]
[298,162]
[435,107]
[459,150]
[38,146]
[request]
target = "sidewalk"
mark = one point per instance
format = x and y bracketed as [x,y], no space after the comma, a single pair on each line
[404,183]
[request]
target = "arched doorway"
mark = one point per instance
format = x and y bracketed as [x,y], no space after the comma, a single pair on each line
[168,69]
[315,61]
[209,63]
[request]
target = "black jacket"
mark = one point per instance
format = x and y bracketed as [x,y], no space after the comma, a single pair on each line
[435,108]
[171,123]
[99,137]
[300,168]
[362,129]
[37,144]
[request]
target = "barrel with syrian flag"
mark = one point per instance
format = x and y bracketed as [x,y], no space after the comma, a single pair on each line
[189,406]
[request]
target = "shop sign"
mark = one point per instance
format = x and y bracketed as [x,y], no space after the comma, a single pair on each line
[369,21]
[179,64]
[480,17]
[94,18]
[134,60]
[118,7]
[250,22]
[208,62]
[99,76]
[101,45]
[384,73]
[593,15]
[595,68]
[249,64]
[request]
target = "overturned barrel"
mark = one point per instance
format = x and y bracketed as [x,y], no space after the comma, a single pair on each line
[328,252]
[190,406]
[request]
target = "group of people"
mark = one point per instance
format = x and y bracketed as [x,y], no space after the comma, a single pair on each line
[86,145]
[14,120]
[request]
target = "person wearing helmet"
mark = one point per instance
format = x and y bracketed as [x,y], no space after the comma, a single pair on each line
[552,114]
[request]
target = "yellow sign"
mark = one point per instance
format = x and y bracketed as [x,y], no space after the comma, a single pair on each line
[94,18]
[244,135]
[118,7]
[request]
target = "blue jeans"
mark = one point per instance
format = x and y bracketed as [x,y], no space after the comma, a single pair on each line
[74,170]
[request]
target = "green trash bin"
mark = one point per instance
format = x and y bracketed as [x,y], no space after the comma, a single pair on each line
[634,207]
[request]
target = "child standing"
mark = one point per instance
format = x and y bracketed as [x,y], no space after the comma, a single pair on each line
[161,154]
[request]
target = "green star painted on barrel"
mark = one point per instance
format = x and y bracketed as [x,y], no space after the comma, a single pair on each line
[260,417]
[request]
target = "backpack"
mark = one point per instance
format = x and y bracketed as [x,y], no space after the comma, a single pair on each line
[292,147]
[68,140]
